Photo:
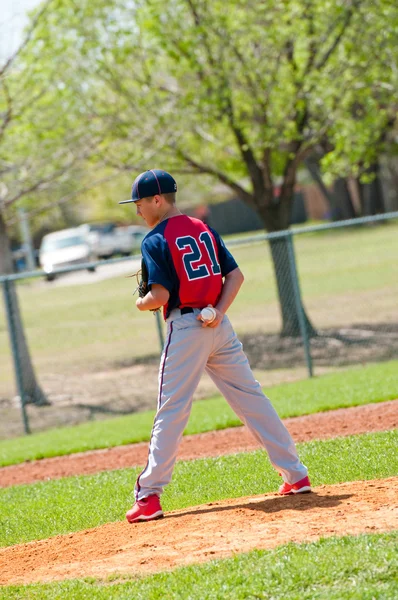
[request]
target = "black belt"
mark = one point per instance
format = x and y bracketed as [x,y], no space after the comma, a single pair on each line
[186,310]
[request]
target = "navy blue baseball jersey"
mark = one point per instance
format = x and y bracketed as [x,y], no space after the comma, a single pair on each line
[189,259]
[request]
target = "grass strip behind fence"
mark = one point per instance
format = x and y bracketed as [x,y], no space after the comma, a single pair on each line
[46,509]
[373,383]
[348,568]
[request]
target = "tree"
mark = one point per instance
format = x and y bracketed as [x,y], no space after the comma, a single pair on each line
[9,114]
[264,73]
[371,99]
[41,150]
[242,91]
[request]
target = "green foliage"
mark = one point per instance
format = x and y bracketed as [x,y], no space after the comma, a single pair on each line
[280,73]
[349,388]
[49,508]
[51,126]
[233,91]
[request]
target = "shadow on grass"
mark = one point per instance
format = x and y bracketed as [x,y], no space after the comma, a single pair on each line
[148,359]
[344,346]
[103,409]
[337,346]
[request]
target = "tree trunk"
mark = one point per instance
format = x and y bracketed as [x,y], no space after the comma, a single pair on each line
[312,164]
[33,394]
[286,291]
[340,201]
[371,194]
[343,201]
[276,217]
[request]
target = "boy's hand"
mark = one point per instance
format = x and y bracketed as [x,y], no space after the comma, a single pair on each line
[215,322]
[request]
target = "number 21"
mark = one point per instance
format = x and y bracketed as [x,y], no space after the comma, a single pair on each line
[195,255]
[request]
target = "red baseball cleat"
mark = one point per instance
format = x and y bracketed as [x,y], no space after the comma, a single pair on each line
[300,487]
[146,509]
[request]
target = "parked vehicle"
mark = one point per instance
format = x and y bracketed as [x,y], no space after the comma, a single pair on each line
[107,239]
[64,248]
[138,233]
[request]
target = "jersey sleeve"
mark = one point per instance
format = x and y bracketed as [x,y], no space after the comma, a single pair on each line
[155,253]
[227,261]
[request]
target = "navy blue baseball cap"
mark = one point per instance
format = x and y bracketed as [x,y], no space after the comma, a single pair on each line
[149,183]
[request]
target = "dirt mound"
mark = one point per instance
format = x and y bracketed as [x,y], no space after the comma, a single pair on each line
[202,533]
[342,422]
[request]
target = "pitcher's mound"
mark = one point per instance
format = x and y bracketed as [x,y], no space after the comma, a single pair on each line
[202,533]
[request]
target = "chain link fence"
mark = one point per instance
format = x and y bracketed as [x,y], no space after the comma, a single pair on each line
[315,299]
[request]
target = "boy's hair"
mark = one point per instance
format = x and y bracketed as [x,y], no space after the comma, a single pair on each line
[170,197]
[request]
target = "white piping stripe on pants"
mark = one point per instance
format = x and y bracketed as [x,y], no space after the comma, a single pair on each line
[190,350]
[161,371]
[163,364]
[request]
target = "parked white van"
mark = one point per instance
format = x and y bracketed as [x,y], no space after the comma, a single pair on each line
[64,248]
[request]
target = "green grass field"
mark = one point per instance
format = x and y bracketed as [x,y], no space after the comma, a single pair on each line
[346,276]
[45,509]
[353,387]
[349,568]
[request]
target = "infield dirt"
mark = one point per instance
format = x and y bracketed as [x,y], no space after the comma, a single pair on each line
[206,532]
[216,530]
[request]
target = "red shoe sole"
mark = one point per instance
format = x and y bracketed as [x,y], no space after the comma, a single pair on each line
[154,517]
[303,490]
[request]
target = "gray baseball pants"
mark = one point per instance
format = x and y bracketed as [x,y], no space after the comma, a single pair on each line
[189,350]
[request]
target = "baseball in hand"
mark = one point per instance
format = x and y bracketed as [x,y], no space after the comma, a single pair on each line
[208,314]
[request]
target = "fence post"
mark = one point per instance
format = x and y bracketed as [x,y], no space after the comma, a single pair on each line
[160,329]
[298,303]
[14,347]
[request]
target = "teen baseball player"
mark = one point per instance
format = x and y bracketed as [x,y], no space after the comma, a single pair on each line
[189,269]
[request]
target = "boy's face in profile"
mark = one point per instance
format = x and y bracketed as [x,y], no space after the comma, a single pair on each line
[149,209]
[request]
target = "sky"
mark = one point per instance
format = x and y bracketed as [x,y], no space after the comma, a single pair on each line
[12,21]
